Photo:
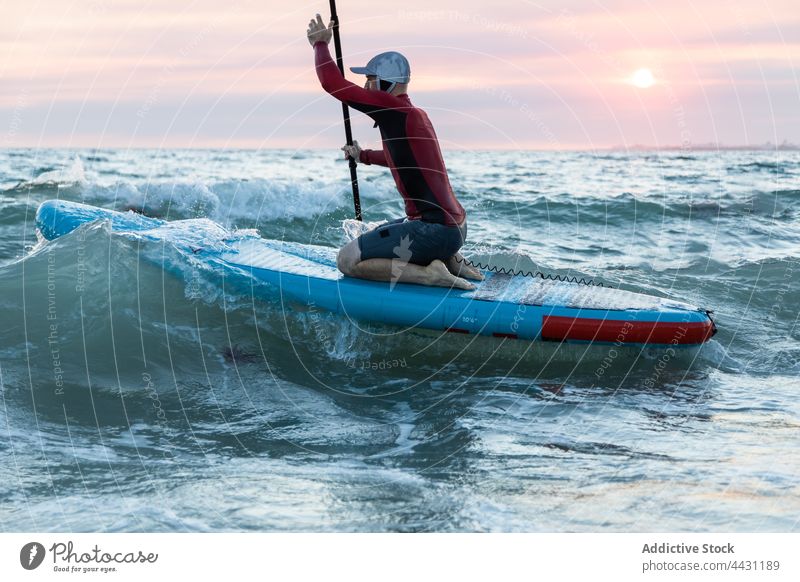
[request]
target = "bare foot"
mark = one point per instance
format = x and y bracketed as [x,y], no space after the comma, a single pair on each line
[441,275]
[458,266]
[460,283]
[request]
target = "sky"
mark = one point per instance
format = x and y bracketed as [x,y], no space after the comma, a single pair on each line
[499,74]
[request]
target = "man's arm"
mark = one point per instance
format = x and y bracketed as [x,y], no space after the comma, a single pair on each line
[332,80]
[367,157]
[377,157]
[356,97]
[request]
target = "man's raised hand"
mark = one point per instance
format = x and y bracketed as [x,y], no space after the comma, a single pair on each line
[317,31]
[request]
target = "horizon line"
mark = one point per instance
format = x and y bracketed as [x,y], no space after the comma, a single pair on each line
[765,147]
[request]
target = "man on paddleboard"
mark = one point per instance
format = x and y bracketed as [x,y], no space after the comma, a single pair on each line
[423,246]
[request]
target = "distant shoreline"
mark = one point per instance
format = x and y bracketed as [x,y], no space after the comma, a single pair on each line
[711,147]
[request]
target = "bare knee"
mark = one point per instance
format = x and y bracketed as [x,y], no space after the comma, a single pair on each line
[349,256]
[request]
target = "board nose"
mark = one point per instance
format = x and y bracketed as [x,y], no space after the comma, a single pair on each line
[47,220]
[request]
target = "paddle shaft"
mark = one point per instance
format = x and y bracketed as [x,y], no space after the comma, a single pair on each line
[337,44]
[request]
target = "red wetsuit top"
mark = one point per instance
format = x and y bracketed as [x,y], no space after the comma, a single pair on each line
[410,148]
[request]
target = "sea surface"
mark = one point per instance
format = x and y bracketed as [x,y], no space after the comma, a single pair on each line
[133,398]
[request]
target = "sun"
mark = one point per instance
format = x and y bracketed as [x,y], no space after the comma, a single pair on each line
[642,78]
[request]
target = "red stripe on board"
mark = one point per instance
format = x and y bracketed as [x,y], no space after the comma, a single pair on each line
[560,328]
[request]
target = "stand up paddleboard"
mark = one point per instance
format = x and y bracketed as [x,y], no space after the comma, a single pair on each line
[503,305]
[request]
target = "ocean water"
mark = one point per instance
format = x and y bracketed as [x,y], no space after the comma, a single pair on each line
[135,398]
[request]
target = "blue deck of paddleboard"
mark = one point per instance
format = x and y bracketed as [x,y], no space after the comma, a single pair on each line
[500,305]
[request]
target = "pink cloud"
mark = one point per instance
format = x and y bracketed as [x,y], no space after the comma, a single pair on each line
[534,74]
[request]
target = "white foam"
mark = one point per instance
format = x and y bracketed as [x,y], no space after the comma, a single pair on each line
[226,201]
[68,175]
[355,228]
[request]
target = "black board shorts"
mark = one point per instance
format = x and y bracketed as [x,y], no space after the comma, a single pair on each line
[414,241]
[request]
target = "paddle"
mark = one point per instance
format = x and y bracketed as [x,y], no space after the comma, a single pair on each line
[345,110]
